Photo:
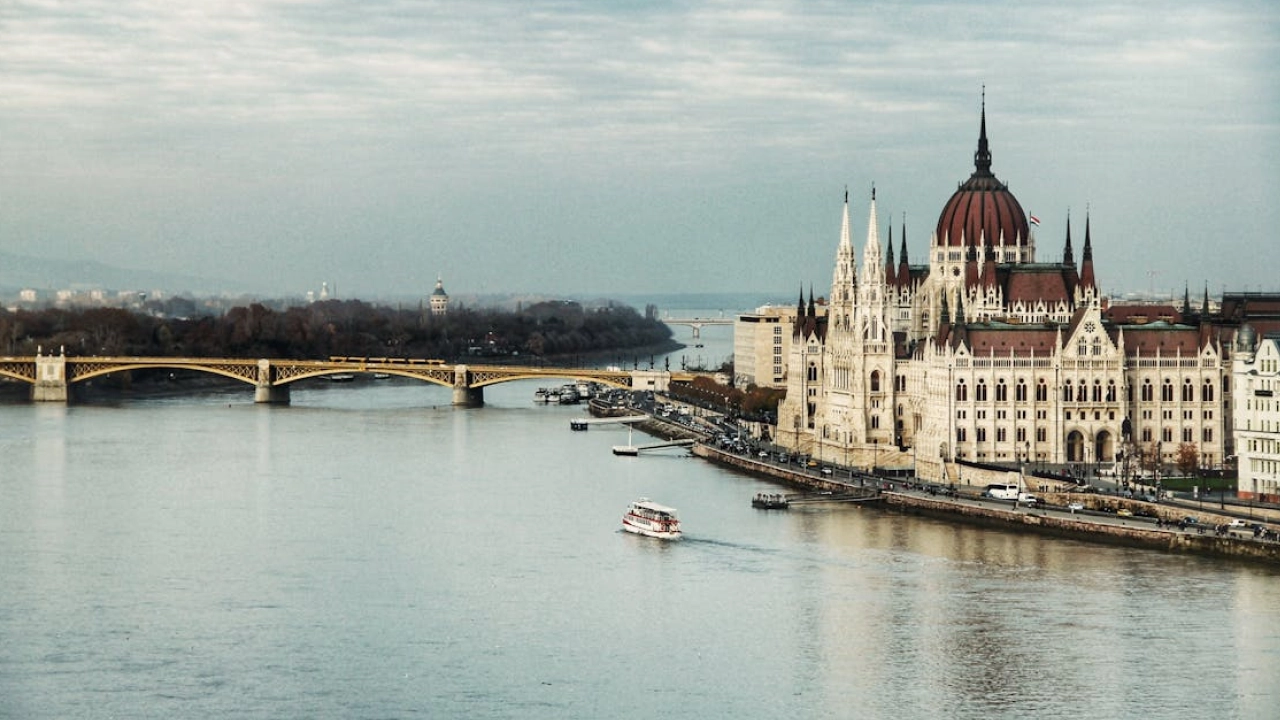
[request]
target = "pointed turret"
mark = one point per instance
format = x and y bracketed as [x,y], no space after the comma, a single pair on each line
[1086,262]
[844,278]
[944,315]
[1204,307]
[1186,299]
[904,268]
[813,308]
[1068,258]
[890,271]
[971,277]
[989,267]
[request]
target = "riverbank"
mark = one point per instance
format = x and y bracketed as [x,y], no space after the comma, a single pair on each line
[931,501]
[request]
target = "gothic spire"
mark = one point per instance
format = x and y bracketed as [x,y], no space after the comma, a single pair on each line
[1204,309]
[1068,258]
[1086,262]
[890,272]
[982,158]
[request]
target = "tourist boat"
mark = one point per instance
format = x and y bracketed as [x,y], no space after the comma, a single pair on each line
[540,395]
[340,377]
[644,517]
[770,501]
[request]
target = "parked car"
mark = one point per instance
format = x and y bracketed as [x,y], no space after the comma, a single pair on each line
[1124,512]
[1075,507]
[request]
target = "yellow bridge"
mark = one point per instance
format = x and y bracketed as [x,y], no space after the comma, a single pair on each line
[51,376]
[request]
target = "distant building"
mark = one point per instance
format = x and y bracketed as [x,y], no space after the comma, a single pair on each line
[1257,384]
[439,299]
[761,345]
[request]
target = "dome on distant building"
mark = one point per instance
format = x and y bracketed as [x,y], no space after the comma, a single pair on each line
[439,299]
[982,207]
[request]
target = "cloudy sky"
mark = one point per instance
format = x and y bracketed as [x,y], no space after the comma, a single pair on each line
[619,146]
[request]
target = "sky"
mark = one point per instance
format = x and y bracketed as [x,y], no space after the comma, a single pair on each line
[615,146]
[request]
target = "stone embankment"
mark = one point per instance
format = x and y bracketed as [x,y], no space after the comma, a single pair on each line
[1115,530]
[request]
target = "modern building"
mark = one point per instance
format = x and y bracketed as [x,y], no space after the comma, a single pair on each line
[761,346]
[987,353]
[439,299]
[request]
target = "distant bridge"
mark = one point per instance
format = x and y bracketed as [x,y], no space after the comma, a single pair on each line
[698,323]
[51,376]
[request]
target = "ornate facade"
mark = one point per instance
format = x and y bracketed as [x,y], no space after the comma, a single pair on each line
[987,354]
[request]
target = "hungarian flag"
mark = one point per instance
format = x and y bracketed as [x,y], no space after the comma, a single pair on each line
[1035,220]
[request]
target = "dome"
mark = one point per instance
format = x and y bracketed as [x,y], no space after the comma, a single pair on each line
[982,205]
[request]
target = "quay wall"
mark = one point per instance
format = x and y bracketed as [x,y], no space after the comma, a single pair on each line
[1056,523]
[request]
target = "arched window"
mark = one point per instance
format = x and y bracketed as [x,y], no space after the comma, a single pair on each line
[875,381]
[1082,393]
[1066,391]
[962,392]
[1188,391]
[1111,391]
[1020,392]
[1097,346]
[1166,390]
[1002,391]
[1042,391]
[1207,394]
[1148,394]
[813,372]
[1097,391]
[980,394]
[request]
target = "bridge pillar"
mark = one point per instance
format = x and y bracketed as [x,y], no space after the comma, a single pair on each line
[697,331]
[264,391]
[51,379]
[463,394]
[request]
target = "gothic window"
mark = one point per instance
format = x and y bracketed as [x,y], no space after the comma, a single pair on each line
[1066,391]
[1041,434]
[1207,394]
[813,372]
[1097,391]
[1148,394]
[981,434]
[980,393]
[1082,393]
[1186,435]
[960,435]
[1097,346]
[1000,434]
[875,381]
[1188,392]
[1083,349]
[1146,434]
[1042,391]
[1166,434]
[1166,390]
[1002,391]
[962,392]
[1208,435]
[1021,434]
[1111,391]
[875,422]
[1020,392]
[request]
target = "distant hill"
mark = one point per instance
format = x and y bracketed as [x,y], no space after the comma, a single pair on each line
[21,271]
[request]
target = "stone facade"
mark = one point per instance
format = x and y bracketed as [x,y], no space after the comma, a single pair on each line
[1257,384]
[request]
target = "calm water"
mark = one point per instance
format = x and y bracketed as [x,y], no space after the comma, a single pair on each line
[369,552]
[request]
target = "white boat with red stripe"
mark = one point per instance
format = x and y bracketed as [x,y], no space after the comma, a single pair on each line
[645,517]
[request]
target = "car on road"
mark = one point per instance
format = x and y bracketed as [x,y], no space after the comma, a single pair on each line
[1124,512]
[1075,507]
[1237,523]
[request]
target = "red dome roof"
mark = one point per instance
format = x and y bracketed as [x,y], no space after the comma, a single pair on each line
[982,205]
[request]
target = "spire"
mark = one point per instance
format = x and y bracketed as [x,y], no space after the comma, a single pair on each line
[989,267]
[904,269]
[1204,308]
[872,262]
[1068,258]
[844,277]
[1186,299]
[944,316]
[890,273]
[813,309]
[1086,263]
[982,158]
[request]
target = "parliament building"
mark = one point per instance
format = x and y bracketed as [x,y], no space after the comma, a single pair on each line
[986,354]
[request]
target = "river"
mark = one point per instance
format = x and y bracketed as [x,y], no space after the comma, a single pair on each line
[371,552]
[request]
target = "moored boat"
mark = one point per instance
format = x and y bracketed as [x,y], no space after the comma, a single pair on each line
[770,501]
[340,377]
[644,517]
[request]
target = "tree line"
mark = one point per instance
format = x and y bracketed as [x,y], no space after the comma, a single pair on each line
[336,328]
